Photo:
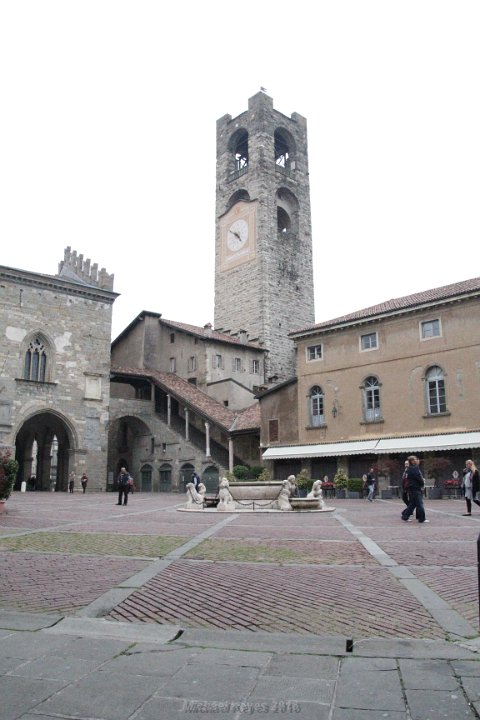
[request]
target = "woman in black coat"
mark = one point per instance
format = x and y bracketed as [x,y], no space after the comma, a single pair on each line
[471,485]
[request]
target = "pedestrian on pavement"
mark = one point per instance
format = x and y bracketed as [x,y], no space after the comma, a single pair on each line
[71,482]
[471,485]
[405,484]
[195,479]
[415,487]
[84,481]
[371,484]
[124,482]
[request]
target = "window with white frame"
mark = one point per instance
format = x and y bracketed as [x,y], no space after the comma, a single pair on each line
[435,388]
[255,367]
[314,352]
[192,363]
[173,365]
[430,329]
[371,399]
[369,341]
[237,364]
[317,414]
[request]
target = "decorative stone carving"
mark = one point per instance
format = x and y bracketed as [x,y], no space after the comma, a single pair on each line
[316,493]
[283,500]
[195,498]
[226,502]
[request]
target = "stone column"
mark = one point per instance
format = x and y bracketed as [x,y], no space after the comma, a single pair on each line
[207,439]
[230,454]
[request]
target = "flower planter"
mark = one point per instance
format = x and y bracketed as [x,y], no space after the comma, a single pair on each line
[353,495]
[341,493]
[435,493]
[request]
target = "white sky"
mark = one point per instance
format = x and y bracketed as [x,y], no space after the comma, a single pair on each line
[107,139]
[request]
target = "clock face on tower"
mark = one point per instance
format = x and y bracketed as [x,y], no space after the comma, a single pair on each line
[237,235]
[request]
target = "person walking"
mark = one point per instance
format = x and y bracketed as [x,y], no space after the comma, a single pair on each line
[123,481]
[471,486]
[71,482]
[371,484]
[84,481]
[415,487]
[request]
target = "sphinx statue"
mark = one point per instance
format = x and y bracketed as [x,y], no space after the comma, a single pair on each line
[226,501]
[195,497]
[316,493]
[283,500]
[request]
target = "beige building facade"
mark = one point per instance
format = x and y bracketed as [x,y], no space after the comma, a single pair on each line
[381,383]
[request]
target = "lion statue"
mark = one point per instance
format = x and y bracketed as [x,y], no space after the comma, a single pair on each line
[196,497]
[226,501]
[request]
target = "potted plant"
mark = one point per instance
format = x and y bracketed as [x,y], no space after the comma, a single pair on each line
[340,481]
[354,488]
[8,474]
[304,483]
[434,468]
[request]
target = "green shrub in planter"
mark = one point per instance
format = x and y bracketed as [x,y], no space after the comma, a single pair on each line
[355,485]
[255,472]
[340,480]
[304,481]
[8,474]
[241,472]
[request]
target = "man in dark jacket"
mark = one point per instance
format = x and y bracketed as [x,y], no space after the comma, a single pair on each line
[123,482]
[415,485]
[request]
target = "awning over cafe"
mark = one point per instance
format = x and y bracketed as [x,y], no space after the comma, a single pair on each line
[378,446]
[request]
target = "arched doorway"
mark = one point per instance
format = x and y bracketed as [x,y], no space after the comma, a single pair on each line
[165,480]
[43,446]
[210,479]
[146,478]
[186,474]
[130,441]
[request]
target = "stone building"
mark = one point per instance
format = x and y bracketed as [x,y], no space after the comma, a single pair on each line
[55,368]
[182,398]
[378,384]
[263,243]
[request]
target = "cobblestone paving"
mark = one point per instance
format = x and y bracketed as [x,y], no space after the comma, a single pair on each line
[284,551]
[38,582]
[94,543]
[330,584]
[457,586]
[357,602]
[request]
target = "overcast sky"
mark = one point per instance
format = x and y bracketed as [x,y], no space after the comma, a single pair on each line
[107,139]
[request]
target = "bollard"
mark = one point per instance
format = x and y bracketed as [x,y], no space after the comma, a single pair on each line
[23,486]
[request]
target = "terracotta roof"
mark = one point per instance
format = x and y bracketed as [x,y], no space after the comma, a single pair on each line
[406,303]
[207,334]
[231,421]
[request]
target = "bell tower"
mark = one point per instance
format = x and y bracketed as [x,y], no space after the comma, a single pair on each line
[263,239]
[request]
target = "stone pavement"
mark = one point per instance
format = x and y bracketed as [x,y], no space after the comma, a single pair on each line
[144,613]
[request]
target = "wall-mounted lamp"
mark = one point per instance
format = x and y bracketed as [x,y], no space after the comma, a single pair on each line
[334,409]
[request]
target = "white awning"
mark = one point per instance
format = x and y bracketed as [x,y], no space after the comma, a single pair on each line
[378,446]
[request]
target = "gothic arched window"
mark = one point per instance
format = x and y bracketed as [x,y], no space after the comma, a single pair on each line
[371,399]
[435,390]
[36,359]
[317,414]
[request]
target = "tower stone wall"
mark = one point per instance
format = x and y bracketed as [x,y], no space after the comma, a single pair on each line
[262,175]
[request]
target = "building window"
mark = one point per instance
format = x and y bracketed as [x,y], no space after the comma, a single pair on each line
[173,365]
[237,364]
[371,399]
[317,416]
[369,341]
[314,352]
[430,329]
[35,367]
[192,363]
[217,362]
[172,337]
[273,431]
[255,367]
[436,399]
